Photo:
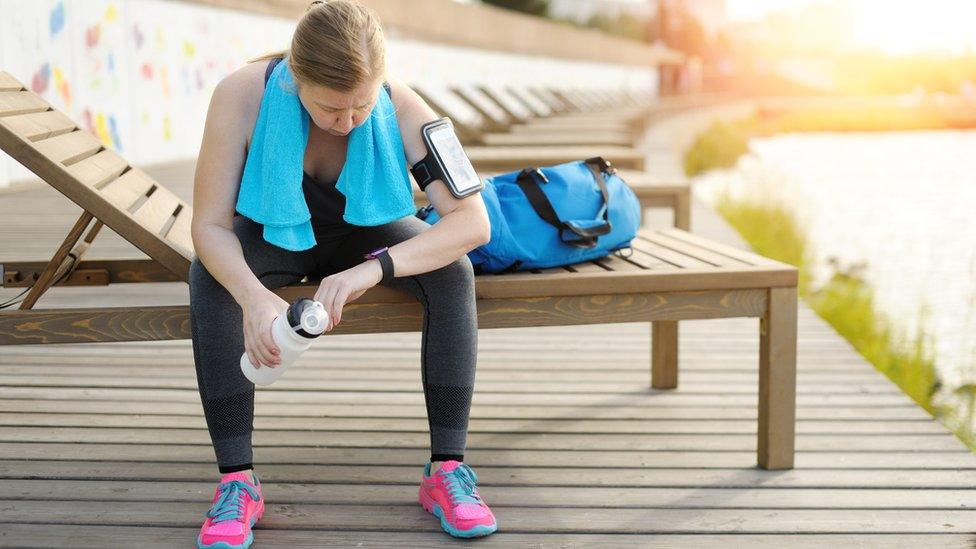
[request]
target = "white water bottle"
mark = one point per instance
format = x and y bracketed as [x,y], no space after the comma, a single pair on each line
[293,332]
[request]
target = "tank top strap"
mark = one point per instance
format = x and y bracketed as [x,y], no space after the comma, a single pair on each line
[267,72]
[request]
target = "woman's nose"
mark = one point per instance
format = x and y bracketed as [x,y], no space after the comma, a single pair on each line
[344,123]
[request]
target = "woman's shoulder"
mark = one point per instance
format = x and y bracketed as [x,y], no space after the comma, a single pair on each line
[405,100]
[245,84]
[241,91]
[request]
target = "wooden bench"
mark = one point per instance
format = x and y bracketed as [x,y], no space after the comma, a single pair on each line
[671,275]
[519,153]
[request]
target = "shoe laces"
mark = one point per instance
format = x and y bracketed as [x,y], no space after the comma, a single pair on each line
[461,484]
[230,504]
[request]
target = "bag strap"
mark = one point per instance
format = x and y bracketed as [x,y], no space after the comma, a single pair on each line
[529,180]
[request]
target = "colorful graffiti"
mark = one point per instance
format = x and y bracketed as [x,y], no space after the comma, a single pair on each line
[56,20]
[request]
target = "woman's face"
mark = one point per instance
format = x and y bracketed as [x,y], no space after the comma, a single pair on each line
[338,112]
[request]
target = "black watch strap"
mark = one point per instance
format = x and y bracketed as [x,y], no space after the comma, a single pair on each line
[386,263]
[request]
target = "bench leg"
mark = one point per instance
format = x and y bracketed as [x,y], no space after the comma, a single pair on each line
[664,354]
[777,380]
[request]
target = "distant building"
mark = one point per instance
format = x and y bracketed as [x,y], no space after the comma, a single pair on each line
[582,10]
[711,13]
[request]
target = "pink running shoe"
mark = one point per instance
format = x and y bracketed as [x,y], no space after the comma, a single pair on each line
[451,494]
[237,505]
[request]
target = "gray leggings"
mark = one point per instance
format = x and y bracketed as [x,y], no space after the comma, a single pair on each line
[449,343]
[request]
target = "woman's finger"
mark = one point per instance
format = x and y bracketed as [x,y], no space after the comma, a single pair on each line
[266,343]
[340,304]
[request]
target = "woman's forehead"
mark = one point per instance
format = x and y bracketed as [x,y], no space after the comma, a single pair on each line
[328,97]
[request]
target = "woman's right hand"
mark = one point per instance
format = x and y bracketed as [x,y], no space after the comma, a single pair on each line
[260,310]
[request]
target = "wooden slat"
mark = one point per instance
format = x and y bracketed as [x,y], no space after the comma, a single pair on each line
[535,106]
[21,102]
[99,169]
[187,491]
[648,261]
[51,535]
[564,426]
[39,125]
[497,476]
[643,399]
[493,115]
[127,189]
[642,245]
[189,453]
[698,252]
[618,264]
[323,383]
[155,212]
[717,247]
[179,234]
[9,83]
[66,149]
[900,416]
[514,157]
[512,108]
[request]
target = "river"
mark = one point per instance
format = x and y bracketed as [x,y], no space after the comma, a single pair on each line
[903,204]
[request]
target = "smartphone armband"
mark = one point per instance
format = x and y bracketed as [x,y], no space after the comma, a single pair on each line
[446,161]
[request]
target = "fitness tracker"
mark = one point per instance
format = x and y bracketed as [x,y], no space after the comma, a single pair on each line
[386,262]
[446,161]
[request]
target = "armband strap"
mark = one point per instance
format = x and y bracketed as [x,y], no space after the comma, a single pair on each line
[422,173]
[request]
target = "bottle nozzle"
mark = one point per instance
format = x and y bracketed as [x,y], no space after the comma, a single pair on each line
[314,318]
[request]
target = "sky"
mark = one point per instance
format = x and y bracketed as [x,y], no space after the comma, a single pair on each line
[895,26]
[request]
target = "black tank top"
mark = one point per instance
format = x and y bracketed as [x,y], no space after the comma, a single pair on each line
[325,203]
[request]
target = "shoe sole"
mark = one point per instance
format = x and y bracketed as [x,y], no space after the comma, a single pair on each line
[434,508]
[247,542]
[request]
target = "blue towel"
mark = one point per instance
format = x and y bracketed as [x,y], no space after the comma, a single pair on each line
[374,178]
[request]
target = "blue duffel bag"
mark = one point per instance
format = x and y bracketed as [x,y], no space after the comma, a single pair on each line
[549,217]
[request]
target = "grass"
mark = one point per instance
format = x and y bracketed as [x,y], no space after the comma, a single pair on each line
[845,301]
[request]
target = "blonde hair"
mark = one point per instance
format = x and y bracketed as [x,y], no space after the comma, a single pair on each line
[338,44]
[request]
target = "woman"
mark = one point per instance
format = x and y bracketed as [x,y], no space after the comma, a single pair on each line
[337,63]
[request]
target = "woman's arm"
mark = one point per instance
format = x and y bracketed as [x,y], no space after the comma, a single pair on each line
[220,165]
[230,118]
[463,225]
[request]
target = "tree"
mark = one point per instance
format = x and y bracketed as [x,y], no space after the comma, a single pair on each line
[532,7]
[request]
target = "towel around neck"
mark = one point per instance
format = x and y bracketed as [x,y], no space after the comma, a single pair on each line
[374,178]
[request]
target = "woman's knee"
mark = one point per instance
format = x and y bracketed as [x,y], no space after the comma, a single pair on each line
[460,270]
[454,279]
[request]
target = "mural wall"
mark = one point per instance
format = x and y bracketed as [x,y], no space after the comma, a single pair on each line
[139,73]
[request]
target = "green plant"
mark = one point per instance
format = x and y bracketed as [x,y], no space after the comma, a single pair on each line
[719,146]
[845,301]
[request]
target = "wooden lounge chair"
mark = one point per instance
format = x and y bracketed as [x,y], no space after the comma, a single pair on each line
[513,157]
[671,276]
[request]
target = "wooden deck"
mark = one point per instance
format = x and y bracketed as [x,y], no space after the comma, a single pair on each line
[105,445]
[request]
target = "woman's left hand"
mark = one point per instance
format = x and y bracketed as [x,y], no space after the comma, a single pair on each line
[341,288]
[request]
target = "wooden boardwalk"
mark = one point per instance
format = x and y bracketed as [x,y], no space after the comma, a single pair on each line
[105,445]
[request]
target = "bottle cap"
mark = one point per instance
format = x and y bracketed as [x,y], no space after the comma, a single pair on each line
[314,318]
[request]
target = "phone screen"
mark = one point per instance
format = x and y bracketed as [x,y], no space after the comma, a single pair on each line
[459,168]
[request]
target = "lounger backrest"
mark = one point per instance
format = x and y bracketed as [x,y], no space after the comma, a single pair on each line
[467,121]
[513,107]
[495,117]
[535,105]
[75,162]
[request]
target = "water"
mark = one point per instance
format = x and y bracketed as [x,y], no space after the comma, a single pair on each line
[902,203]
